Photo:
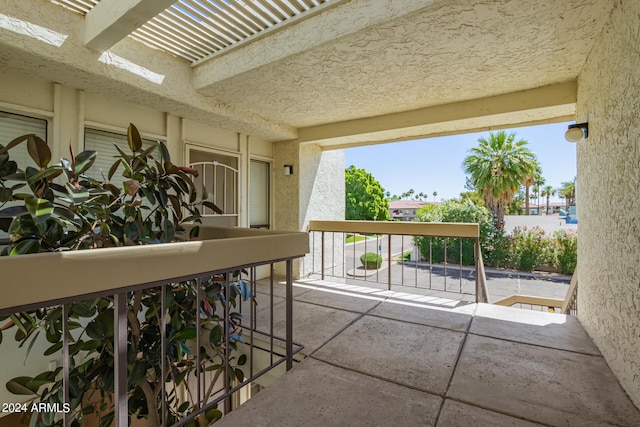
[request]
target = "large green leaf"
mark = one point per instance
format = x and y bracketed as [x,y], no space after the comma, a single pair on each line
[40,209]
[84,161]
[164,152]
[79,194]
[138,373]
[5,194]
[186,334]
[49,173]
[44,378]
[8,169]
[39,151]
[133,138]
[27,246]
[213,207]
[13,211]
[18,385]
[13,143]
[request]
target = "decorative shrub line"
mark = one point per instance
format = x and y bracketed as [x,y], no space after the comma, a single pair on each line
[525,249]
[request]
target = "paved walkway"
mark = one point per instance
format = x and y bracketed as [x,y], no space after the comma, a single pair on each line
[375,358]
[459,283]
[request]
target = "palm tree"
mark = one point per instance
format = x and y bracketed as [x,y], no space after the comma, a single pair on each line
[539,184]
[547,192]
[435,193]
[568,191]
[497,167]
[528,182]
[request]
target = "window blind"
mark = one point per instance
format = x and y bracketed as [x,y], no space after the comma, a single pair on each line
[259,194]
[103,144]
[13,126]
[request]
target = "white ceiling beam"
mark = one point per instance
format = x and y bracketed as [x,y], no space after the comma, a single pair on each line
[548,104]
[112,20]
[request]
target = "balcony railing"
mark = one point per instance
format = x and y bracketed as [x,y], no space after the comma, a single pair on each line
[568,305]
[227,260]
[434,256]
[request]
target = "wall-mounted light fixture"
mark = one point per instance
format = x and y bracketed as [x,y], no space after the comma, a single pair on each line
[576,132]
[288,169]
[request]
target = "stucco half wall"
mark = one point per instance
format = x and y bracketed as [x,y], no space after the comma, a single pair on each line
[607,191]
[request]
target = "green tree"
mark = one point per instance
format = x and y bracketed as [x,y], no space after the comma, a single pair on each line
[567,191]
[547,192]
[528,182]
[497,167]
[365,199]
[474,196]
[493,242]
[435,193]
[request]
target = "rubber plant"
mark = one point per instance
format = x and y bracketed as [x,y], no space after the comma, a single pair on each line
[59,208]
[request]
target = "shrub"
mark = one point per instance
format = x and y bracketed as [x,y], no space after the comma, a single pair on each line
[565,251]
[76,212]
[530,248]
[371,260]
[456,211]
[496,250]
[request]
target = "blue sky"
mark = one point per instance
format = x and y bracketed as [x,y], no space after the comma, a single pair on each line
[435,164]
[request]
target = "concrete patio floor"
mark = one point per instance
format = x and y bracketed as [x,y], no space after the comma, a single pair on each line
[376,357]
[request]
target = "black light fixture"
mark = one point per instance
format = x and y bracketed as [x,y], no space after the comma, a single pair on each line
[576,132]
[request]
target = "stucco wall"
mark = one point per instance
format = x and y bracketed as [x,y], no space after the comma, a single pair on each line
[67,111]
[608,195]
[314,191]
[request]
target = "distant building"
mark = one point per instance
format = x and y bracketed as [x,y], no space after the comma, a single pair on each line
[554,207]
[405,210]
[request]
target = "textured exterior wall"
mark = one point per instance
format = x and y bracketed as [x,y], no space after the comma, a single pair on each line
[314,191]
[608,195]
[322,198]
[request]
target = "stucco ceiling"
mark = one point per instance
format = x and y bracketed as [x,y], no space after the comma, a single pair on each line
[445,52]
[356,71]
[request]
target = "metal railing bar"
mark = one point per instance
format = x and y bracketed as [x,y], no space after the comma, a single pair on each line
[365,264]
[163,351]
[402,255]
[252,314]
[416,256]
[65,358]
[271,310]
[344,255]
[445,265]
[430,260]
[377,254]
[227,352]
[120,360]
[289,314]
[460,265]
[198,344]
[322,260]
[333,254]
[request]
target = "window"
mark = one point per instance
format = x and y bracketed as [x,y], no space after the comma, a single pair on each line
[103,144]
[259,194]
[13,126]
